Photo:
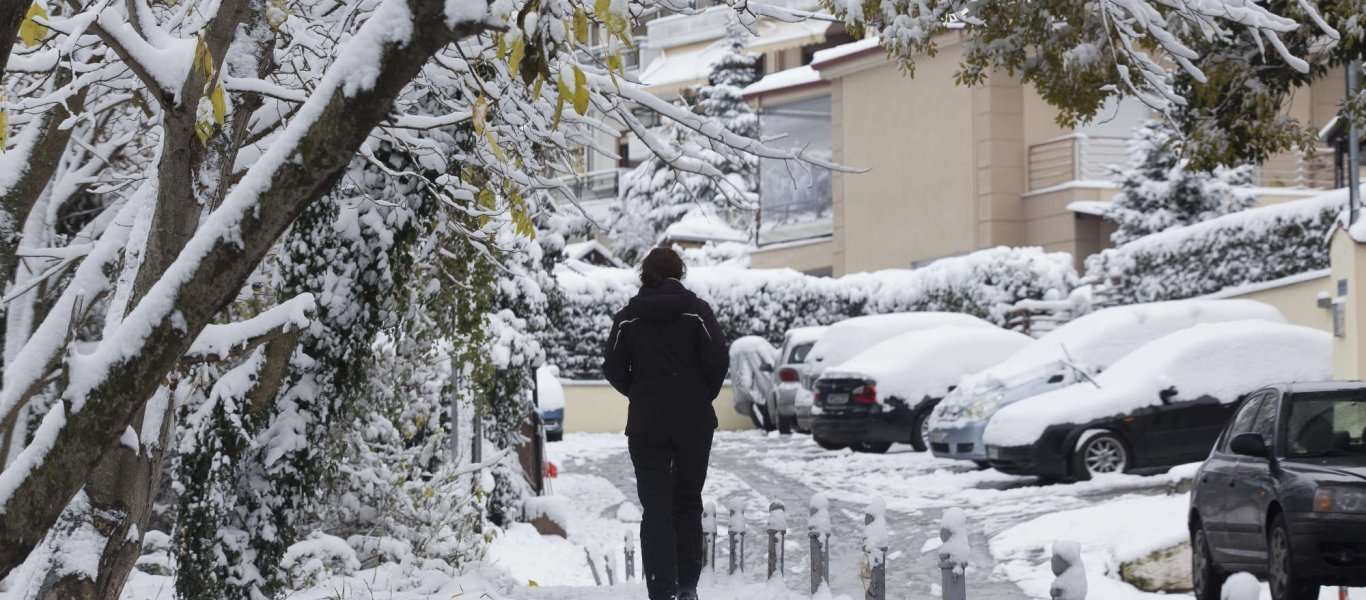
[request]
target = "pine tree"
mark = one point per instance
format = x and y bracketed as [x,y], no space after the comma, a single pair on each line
[1160,190]
[654,195]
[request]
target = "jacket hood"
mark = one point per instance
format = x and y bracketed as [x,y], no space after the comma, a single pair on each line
[663,302]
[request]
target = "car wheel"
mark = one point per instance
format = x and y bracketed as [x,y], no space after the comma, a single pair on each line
[828,445]
[872,447]
[1285,585]
[920,432]
[1103,454]
[554,437]
[982,464]
[1206,576]
[785,424]
[759,414]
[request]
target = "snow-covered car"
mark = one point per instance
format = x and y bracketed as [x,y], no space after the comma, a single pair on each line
[884,394]
[1080,348]
[849,337]
[751,379]
[791,400]
[550,401]
[1283,494]
[1162,405]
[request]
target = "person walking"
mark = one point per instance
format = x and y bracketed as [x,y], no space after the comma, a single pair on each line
[666,354]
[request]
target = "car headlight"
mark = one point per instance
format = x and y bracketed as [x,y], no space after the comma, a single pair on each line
[983,407]
[1340,500]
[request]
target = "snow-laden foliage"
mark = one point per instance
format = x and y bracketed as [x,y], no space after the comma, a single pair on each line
[767,303]
[654,195]
[1255,245]
[1160,190]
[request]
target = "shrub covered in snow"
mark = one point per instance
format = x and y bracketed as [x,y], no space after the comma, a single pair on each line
[1260,244]
[768,302]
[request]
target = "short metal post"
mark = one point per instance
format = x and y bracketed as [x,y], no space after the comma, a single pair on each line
[875,550]
[709,534]
[736,533]
[954,553]
[607,565]
[629,540]
[777,535]
[1069,572]
[818,529]
[592,566]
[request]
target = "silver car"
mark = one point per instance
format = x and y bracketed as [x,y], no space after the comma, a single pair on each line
[1073,353]
[791,399]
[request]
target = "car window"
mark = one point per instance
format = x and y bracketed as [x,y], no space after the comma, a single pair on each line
[1326,424]
[1266,417]
[799,353]
[1244,420]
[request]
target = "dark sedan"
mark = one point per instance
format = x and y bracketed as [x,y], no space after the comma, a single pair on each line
[1283,493]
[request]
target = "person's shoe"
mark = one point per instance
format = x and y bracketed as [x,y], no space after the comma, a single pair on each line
[687,594]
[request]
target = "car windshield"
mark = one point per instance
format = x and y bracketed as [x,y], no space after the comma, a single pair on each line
[1331,424]
[799,353]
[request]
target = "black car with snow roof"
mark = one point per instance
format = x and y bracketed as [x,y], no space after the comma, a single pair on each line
[1283,493]
[884,394]
[1162,405]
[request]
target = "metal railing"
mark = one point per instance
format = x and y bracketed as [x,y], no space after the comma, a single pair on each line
[595,185]
[1075,157]
[1313,170]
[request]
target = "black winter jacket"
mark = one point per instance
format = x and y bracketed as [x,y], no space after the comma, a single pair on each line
[666,354]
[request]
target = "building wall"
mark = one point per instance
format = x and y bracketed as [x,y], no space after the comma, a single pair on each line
[914,135]
[813,256]
[594,407]
[1296,298]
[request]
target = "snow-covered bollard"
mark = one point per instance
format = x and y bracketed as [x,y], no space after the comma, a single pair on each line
[597,580]
[818,529]
[1069,572]
[709,534]
[1241,586]
[777,534]
[630,515]
[607,565]
[736,533]
[954,553]
[875,550]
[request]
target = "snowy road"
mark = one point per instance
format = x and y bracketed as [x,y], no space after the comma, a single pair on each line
[917,487]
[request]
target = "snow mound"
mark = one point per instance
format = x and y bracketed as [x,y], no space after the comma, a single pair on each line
[852,336]
[1241,586]
[928,363]
[549,392]
[1218,360]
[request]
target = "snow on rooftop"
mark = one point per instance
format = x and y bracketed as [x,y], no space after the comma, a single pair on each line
[782,80]
[851,336]
[1089,207]
[580,250]
[1219,360]
[927,363]
[701,225]
[691,64]
[843,50]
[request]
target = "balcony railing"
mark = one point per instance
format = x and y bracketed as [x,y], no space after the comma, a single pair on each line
[1295,169]
[1075,157]
[595,185]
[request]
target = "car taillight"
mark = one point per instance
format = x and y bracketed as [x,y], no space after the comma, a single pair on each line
[788,375]
[865,394]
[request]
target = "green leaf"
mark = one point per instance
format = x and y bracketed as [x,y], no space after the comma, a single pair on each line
[580,92]
[518,52]
[580,25]
[31,32]
[602,8]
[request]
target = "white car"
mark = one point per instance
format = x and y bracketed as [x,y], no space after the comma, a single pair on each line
[1162,405]
[884,394]
[1069,354]
[791,400]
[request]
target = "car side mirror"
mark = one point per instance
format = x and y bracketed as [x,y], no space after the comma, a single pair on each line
[1249,444]
[767,368]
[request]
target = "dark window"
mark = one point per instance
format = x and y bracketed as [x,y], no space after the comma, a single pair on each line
[1325,424]
[1266,418]
[799,353]
[1244,420]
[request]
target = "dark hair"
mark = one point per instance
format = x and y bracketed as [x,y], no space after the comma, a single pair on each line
[661,264]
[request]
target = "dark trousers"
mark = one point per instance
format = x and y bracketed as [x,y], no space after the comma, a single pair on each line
[669,477]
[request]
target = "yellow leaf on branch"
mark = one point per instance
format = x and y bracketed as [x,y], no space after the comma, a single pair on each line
[203,58]
[581,25]
[515,58]
[218,98]
[31,32]
[580,92]
[481,114]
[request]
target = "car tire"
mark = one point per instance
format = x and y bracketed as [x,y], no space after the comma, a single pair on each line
[1207,577]
[920,431]
[554,437]
[1101,454]
[786,424]
[1280,566]
[759,414]
[982,465]
[827,444]
[872,447]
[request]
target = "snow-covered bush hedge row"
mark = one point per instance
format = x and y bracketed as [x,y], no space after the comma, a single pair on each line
[1255,245]
[768,302]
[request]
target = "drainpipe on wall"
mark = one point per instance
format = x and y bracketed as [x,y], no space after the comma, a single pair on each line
[1353,151]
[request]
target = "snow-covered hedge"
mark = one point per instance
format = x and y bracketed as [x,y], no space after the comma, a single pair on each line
[768,302]
[1251,246]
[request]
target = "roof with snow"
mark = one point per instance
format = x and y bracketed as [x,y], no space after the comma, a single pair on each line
[592,252]
[702,226]
[843,51]
[691,65]
[1218,360]
[790,79]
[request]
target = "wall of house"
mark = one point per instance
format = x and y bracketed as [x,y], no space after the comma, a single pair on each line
[807,256]
[594,407]
[1296,297]
[916,201]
